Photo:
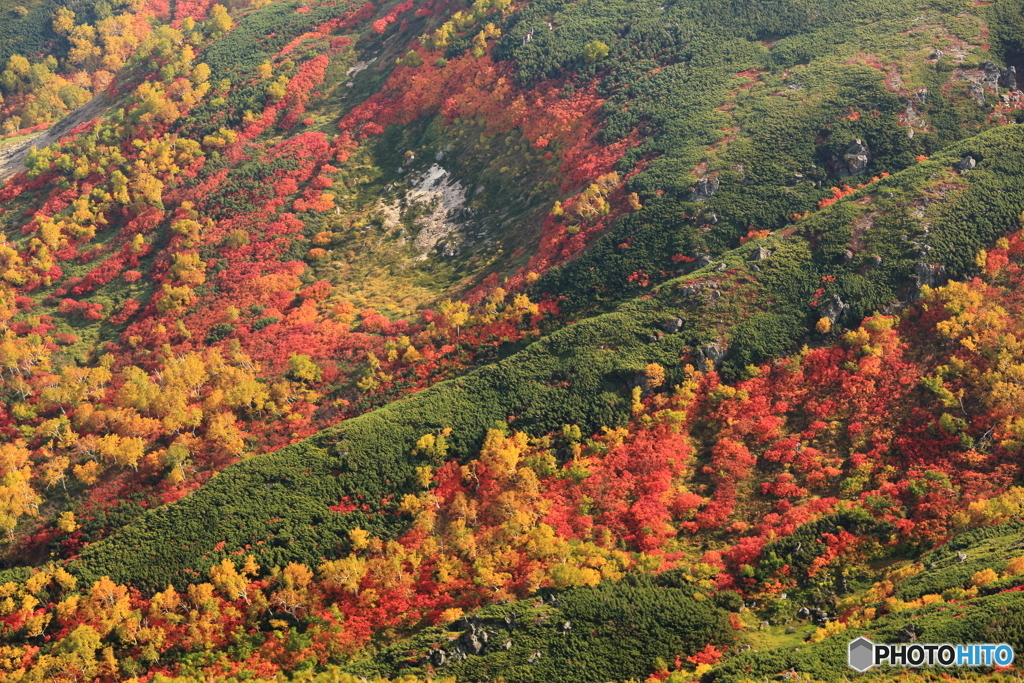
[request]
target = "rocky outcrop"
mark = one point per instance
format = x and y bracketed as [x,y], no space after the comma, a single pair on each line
[909,633]
[927,274]
[1008,78]
[705,188]
[987,78]
[473,641]
[930,274]
[855,160]
[817,616]
[446,199]
[710,356]
[672,326]
[994,77]
[834,309]
[966,164]
[991,75]
[976,90]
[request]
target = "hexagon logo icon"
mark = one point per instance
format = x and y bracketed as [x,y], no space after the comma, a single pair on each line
[861,654]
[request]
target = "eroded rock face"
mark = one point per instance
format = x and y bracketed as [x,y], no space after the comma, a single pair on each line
[966,164]
[710,356]
[992,74]
[855,160]
[976,90]
[930,274]
[447,197]
[705,188]
[1008,78]
[473,641]
[834,309]
[987,78]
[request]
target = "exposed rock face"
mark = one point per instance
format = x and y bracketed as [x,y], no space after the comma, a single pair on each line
[705,188]
[672,326]
[446,197]
[834,309]
[1008,78]
[819,617]
[710,356]
[473,641]
[977,92]
[966,164]
[992,75]
[855,161]
[987,78]
[930,274]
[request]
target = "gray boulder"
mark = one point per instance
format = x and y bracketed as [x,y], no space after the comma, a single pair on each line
[710,356]
[834,309]
[855,161]
[966,164]
[672,326]
[931,274]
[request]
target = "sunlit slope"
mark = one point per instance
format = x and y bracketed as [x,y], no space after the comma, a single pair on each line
[579,375]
